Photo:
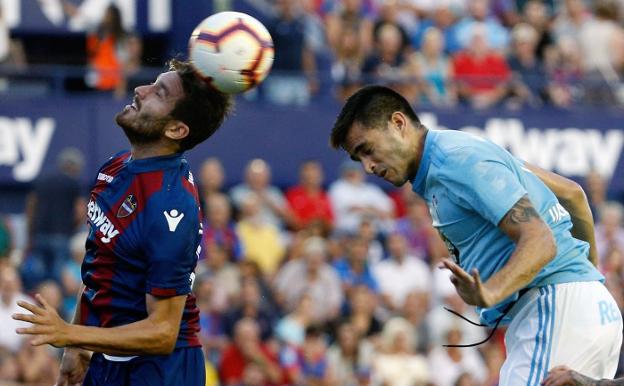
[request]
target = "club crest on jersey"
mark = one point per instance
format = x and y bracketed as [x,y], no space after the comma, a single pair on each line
[127,207]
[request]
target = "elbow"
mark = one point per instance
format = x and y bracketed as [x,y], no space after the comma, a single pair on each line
[164,339]
[548,246]
[573,192]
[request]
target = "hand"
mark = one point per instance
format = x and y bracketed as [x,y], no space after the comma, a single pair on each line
[48,327]
[469,287]
[74,366]
[563,376]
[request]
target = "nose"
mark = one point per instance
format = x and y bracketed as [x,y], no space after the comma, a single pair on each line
[369,166]
[141,91]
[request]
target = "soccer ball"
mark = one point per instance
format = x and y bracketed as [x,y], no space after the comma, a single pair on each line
[231,51]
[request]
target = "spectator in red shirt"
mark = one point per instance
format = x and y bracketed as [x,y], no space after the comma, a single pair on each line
[308,201]
[247,350]
[481,73]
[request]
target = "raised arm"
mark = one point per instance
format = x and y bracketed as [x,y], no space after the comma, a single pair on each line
[573,198]
[154,335]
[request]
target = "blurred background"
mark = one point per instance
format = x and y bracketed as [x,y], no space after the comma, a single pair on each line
[312,274]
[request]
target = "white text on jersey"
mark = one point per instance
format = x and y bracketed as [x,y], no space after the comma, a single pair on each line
[557,212]
[105,177]
[101,222]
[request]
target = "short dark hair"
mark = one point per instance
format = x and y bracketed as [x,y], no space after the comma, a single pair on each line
[371,106]
[203,108]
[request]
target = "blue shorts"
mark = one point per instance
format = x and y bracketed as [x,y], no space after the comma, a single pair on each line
[184,367]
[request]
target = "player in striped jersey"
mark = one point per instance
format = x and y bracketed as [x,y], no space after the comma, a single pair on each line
[136,312]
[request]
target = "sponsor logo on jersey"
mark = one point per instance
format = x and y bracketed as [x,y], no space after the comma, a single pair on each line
[173,218]
[105,178]
[127,207]
[100,222]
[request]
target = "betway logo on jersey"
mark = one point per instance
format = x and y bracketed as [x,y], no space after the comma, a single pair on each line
[101,222]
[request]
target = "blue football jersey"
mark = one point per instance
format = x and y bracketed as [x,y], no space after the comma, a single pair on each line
[469,184]
[144,237]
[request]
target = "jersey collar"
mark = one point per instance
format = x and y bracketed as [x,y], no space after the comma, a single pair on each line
[418,184]
[155,163]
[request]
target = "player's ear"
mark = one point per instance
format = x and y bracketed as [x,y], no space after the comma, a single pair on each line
[177,130]
[399,121]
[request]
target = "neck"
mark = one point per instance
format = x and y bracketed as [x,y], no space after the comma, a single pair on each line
[420,149]
[151,150]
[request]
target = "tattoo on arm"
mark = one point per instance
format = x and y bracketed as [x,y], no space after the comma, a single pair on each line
[523,211]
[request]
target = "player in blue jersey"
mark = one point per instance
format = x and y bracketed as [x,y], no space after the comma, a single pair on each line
[136,312]
[515,253]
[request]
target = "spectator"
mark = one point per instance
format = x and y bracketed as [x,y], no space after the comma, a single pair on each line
[293,79]
[53,209]
[37,364]
[260,239]
[10,294]
[398,364]
[348,58]
[225,274]
[9,367]
[350,357]
[528,75]
[353,198]
[6,243]
[307,365]
[601,41]
[219,230]
[311,276]
[389,64]
[72,278]
[495,36]
[436,70]
[308,201]
[423,240]
[273,205]
[211,179]
[566,73]
[444,18]
[350,15]
[292,327]
[367,231]
[536,14]
[596,189]
[415,309]
[360,313]
[251,306]
[212,333]
[247,350]
[570,19]
[106,53]
[400,274]
[354,269]
[609,231]
[449,363]
[481,73]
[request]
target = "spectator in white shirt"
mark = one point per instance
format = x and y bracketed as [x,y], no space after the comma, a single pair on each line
[447,364]
[401,273]
[354,199]
[10,294]
[312,276]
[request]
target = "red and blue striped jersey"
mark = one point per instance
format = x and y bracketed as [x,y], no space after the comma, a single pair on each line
[144,237]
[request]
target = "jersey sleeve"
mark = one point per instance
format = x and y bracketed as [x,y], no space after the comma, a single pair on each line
[482,181]
[171,247]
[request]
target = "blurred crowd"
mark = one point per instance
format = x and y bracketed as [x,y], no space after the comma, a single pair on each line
[480,53]
[325,283]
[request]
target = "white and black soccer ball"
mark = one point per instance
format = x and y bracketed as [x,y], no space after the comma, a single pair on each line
[232,51]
